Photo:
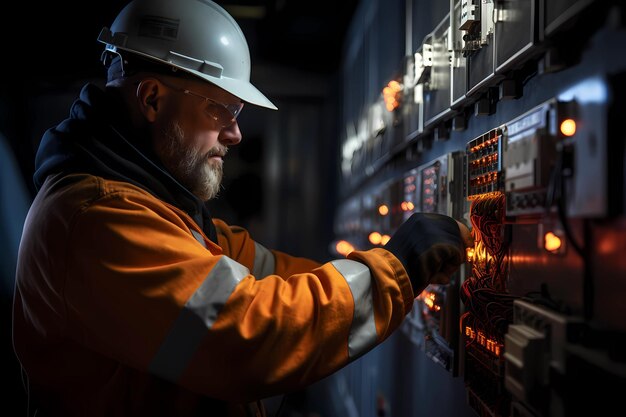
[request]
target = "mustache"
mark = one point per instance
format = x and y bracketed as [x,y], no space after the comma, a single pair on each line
[218,150]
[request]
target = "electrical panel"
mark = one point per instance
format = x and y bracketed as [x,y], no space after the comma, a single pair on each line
[484,164]
[461,12]
[559,14]
[432,324]
[516,33]
[501,131]
[478,48]
[529,156]
[413,104]
[437,89]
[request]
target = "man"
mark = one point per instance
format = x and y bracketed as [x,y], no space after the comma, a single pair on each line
[131,300]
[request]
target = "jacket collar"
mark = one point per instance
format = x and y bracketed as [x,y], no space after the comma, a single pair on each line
[98,139]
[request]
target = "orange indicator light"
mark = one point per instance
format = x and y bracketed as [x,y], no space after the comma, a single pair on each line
[343,247]
[568,127]
[375,238]
[551,242]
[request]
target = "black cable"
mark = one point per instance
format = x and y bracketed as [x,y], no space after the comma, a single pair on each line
[566,228]
[563,166]
[556,194]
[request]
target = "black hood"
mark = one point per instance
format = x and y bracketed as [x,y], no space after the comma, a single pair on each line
[98,140]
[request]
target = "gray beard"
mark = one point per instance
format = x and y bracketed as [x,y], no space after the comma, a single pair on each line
[188,166]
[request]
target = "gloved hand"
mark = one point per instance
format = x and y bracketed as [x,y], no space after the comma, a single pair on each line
[431,248]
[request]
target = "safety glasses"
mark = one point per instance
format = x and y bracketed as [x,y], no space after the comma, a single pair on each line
[224,114]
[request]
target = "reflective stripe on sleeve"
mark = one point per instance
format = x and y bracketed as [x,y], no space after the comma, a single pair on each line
[196,318]
[363,332]
[199,238]
[264,263]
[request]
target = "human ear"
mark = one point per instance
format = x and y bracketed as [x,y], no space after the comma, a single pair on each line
[149,93]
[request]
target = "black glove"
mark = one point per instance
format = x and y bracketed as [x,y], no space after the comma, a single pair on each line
[430,248]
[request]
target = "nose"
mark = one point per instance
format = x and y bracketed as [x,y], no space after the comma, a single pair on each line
[230,135]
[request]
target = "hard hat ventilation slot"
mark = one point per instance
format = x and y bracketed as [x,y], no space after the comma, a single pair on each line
[159,27]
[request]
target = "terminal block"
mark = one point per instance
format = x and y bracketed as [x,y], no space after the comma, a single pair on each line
[484,164]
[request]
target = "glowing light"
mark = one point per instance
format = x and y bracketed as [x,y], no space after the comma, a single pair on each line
[491,194]
[568,127]
[407,206]
[608,245]
[429,298]
[384,239]
[344,247]
[394,85]
[551,242]
[391,95]
[375,238]
[383,210]
[470,254]
[492,345]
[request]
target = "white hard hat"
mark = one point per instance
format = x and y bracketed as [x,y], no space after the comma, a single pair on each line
[197,36]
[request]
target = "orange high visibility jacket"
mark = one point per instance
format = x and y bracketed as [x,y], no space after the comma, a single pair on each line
[124,307]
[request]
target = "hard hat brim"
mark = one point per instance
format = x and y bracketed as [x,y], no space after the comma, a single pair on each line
[245,91]
[241,89]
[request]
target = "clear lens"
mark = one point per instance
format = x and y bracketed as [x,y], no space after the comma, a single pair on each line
[224,114]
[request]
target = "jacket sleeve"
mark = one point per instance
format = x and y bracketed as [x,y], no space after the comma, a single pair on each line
[261,261]
[143,290]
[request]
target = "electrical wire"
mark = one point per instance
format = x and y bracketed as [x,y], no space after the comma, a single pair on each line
[489,305]
[556,195]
